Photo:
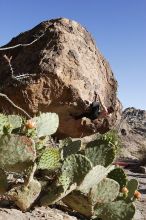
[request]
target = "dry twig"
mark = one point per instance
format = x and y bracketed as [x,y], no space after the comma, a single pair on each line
[22,45]
[13,104]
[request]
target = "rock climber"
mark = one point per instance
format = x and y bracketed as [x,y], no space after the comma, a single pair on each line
[97,110]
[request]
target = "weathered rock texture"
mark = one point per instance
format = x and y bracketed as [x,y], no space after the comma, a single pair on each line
[67,69]
[132,131]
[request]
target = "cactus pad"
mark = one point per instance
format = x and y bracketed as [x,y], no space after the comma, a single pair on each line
[24,196]
[94,176]
[65,142]
[118,175]
[9,123]
[15,121]
[100,152]
[55,193]
[118,210]
[16,152]
[46,124]
[50,159]
[79,202]
[132,185]
[71,148]
[105,191]
[76,167]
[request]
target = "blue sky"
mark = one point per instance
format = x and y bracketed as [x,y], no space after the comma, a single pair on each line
[118,26]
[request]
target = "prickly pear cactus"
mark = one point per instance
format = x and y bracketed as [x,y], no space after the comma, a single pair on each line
[81,177]
[65,142]
[113,138]
[50,159]
[15,121]
[116,210]
[24,196]
[100,152]
[16,152]
[73,171]
[94,176]
[76,167]
[9,123]
[79,202]
[46,124]
[55,193]
[42,143]
[71,148]
[132,186]
[105,191]
[118,175]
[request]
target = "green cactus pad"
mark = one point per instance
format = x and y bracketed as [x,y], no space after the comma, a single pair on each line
[132,185]
[100,152]
[73,171]
[118,210]
[24,196]
[105,191]
[16,152]
[41,143]
[64,181]
[79,202]
[118,175]
[76,167]
[9,123]
[3,182]
[71,148]
[113,138]
[15,121]
[50,159]
[46,124]
[65,142]
[94,176]
[55,193]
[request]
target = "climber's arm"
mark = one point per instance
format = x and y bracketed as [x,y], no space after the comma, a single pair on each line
[103,107]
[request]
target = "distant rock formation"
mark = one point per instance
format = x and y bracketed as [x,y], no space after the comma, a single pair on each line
[61,72]
[132,131]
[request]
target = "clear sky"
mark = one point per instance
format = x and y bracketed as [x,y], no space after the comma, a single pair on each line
[118,26]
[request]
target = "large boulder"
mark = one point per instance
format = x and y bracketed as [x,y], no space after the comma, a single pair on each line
[61,71]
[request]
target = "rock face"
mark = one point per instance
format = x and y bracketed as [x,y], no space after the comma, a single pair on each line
[61,72]
[132,131]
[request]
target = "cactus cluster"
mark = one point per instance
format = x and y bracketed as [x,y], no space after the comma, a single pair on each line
[84,179]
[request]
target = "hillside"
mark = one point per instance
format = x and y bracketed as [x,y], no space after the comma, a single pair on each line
[132,130]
